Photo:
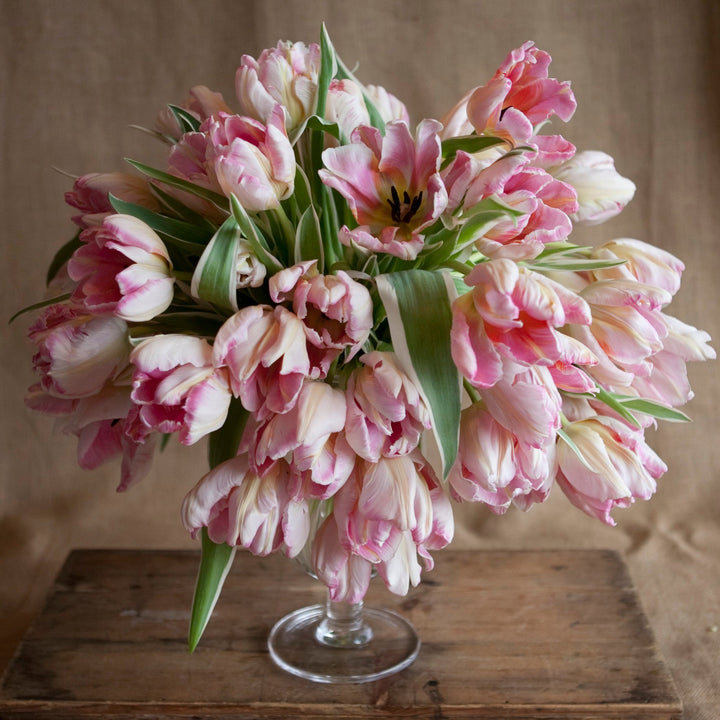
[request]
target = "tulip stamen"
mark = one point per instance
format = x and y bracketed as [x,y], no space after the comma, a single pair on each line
[405,210]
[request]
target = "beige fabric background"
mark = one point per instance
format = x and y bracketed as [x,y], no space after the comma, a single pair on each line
[74,74]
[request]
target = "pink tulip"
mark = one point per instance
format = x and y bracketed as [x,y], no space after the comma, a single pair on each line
[623,467]
[520,96]
[90,195]
[391,184]
[78,353]
[286,74]
[336,310]
[201,103]
[306,436]
[511,312]
[667,381]
[382,500]
[252,161]
[176,388]
[385,413]
[643,262]
[626,322]
[124,268]
[346,575]
[265,351]
[525,400]
[240,508]
[602,192]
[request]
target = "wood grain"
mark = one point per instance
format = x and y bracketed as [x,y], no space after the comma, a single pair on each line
[546,634]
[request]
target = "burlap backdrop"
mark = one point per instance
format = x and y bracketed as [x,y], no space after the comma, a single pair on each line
[75,74]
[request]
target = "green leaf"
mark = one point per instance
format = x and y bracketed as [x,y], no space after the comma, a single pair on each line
[655,409]
[39,305]
[418,305]
[612,402]
[215,564]
[562,262]
[308,240]
[216,559]
[186,121]
[216,198]
[253,235]
[187,323]
[62,256]
[160,223]
[224,442]
[179,208]
[215,277]
[469,144]
[317,123]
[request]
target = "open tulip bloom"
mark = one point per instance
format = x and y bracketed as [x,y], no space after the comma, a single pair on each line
[369,320]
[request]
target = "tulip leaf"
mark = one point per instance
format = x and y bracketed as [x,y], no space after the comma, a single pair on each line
[216,558]
[614,404]
[40,305]
[216,198]
[418,306]
[469,144]
[317,123]
[253,235]
[186,121]
[215,277]
[62,256]
[180,209]
[562,262]
[328,70]
[178,229]
[308,240]
[655,409]
[215,563]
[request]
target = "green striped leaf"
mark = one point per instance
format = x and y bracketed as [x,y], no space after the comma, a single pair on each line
[215,277]
[655,409]
[418,306]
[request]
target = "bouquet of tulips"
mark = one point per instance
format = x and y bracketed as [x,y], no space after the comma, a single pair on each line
[369,321]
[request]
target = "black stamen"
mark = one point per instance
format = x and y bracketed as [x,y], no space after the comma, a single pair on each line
[403,211]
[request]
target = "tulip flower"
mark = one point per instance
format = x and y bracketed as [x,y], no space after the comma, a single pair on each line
[510,312]
[124,268]
[346,575]
[265,352]
[201,103]
[391,183]
[519,96]
[90,195]
[602,192]
[336,310]
[385,412]
[305,435]
[618,467]
[240,508]
[176,388]
[78,353]
[252,161]
[643,262]
[286,75]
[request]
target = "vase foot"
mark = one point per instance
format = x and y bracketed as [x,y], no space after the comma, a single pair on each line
[300,644]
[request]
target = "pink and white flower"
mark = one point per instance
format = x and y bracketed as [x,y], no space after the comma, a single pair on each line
[123,268]
[386,415]
[286,75]
[252,161]
[265,352]
[240,508]
[619,467]
[78,353]
[337,310]
[602,192]
[177,389]
[392,185]
[511,312]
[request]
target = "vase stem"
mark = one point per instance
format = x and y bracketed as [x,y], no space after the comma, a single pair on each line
[343,625]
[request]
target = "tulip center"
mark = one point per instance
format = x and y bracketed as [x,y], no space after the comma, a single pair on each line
[405,209]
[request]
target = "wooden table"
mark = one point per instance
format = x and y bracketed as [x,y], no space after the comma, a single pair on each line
[523,635]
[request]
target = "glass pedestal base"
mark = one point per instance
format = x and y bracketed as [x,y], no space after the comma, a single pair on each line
[341,643]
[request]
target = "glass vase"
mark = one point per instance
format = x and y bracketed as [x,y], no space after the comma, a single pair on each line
[343,643]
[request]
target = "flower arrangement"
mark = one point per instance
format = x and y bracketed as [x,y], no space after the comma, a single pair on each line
[368,321]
